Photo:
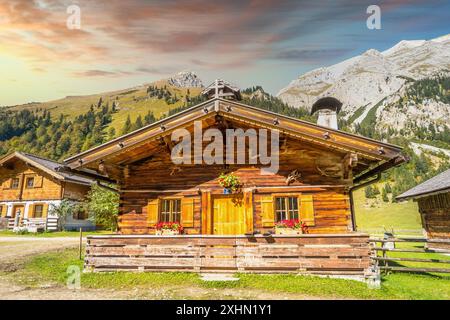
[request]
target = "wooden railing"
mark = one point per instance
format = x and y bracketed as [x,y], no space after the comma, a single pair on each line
[342,254]
[421,246]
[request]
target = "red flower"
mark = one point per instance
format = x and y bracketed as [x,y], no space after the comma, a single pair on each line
[175,226]
[293,224]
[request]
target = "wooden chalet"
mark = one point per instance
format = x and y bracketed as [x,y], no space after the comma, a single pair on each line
[433,198]
[31,185]
[318,168]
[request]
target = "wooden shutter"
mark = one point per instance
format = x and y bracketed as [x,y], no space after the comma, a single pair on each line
[307,209]
[153,212]
[267,212]
[38,181]
[187,212]
[44,210]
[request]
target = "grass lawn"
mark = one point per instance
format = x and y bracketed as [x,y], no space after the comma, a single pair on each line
[51,267]
[402,217]
[9,233]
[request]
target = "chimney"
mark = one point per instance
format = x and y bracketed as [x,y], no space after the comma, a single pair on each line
[222,89]
[328,109]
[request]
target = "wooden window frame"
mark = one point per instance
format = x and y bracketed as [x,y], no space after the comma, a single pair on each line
[171,213]
[12,183]
[34,210]
[26,182]
[297,196]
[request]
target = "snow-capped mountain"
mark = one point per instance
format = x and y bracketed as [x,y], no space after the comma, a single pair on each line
[378,79]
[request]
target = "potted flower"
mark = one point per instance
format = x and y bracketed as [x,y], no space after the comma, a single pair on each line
[292,226]
[168,228]
[229,182]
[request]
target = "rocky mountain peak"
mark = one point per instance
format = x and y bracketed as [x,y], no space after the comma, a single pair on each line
[186,79]
[364,80]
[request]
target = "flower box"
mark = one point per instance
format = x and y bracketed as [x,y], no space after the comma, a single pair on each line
[287,231]
[167,232]
[292,226]
[168,228]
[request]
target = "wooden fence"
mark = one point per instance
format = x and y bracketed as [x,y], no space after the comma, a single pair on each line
[422,246]
[339,254]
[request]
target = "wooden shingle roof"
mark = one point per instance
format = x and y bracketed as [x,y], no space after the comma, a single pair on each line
[435,185]
[51,167]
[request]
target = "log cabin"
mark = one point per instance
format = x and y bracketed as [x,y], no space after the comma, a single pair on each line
[163,178]
[433,199]
[30,186]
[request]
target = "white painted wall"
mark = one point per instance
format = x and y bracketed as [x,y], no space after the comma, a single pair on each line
[70,222]
[28,205]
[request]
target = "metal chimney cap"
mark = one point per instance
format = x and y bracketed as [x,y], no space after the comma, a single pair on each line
[327,103]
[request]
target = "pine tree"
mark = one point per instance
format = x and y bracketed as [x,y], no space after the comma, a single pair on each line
[138,124]
[127,126]
[384,195]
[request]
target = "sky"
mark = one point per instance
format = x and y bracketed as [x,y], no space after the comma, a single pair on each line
[121,44]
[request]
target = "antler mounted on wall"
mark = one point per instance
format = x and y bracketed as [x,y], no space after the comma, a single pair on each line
[294,176]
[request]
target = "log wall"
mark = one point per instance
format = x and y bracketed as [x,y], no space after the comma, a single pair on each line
[435,214]
[331,210]
[46,188]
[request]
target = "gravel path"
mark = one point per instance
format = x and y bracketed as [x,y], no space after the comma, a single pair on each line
[15,249]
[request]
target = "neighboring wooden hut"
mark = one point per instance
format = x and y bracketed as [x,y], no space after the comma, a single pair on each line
[318,167]
[31,185]
[433,198]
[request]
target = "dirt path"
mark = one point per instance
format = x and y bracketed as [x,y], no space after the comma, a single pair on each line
[15,250]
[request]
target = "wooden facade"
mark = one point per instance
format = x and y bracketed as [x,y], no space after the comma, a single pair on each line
[318,167]
[30,185]
[435,214]
[433,199]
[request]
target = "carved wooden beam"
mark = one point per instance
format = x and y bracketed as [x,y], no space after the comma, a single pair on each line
[349,162]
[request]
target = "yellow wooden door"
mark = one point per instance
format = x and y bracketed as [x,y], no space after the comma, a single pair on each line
[229,216]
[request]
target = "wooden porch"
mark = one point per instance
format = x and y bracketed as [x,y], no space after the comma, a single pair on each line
[325,254]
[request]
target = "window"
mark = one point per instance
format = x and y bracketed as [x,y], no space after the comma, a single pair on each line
[286,208]
[38,211]
[80,214]
[1,211]
[30,182]
[15,183]
[170,210]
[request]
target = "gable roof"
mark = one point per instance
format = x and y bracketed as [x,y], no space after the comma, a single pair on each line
[52,168]
[373,150]
[435,185]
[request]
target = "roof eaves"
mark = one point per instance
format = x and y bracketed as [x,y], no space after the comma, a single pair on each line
[154,124]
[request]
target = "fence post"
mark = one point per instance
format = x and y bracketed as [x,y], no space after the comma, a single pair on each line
[81,242]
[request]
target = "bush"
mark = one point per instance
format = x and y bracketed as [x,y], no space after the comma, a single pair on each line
[103,206]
